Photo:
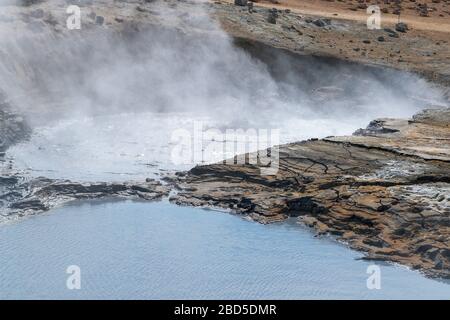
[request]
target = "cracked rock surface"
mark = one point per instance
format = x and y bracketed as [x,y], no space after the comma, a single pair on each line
[383,191]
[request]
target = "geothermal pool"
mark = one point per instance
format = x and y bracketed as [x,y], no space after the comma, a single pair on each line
[138,250]
[104,106]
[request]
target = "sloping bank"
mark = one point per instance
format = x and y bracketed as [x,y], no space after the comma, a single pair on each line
[385,190]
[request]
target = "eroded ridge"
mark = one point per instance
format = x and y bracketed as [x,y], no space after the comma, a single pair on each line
[385,190]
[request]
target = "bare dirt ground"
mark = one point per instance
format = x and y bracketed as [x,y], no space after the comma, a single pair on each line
[411,12]
[424,48]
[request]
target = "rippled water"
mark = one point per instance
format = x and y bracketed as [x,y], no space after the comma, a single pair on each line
[158,250]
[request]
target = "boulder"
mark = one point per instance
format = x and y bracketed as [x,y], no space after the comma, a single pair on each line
[322,22]
[273,15]
[99,20]
[242,3]
[401,27]
[391,33]
[250,6]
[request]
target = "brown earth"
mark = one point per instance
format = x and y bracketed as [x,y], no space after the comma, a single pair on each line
[424,48]
[437,18]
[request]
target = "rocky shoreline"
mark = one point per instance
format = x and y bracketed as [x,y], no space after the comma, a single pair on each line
[384,190]
[22,196]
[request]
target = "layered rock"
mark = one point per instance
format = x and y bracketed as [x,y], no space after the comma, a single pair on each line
[385,190]
[20,196]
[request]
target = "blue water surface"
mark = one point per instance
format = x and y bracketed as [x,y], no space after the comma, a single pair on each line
[139,250]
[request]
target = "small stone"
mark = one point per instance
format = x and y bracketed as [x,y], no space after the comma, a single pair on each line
[273,15]
[99,20]
[250,6]
[391,33]
[241,3]
[322,22]
[401,27]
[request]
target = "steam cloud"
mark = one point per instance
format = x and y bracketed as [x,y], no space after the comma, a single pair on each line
[193,67]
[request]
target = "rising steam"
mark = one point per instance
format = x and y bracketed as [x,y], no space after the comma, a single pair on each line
[183,62]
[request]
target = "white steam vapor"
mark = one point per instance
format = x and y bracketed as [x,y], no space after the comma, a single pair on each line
[185,62]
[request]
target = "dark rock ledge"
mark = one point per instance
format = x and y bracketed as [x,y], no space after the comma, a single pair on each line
[385,190]
[21,197]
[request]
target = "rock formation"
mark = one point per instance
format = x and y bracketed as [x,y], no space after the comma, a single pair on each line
[20,196]
[385,190]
